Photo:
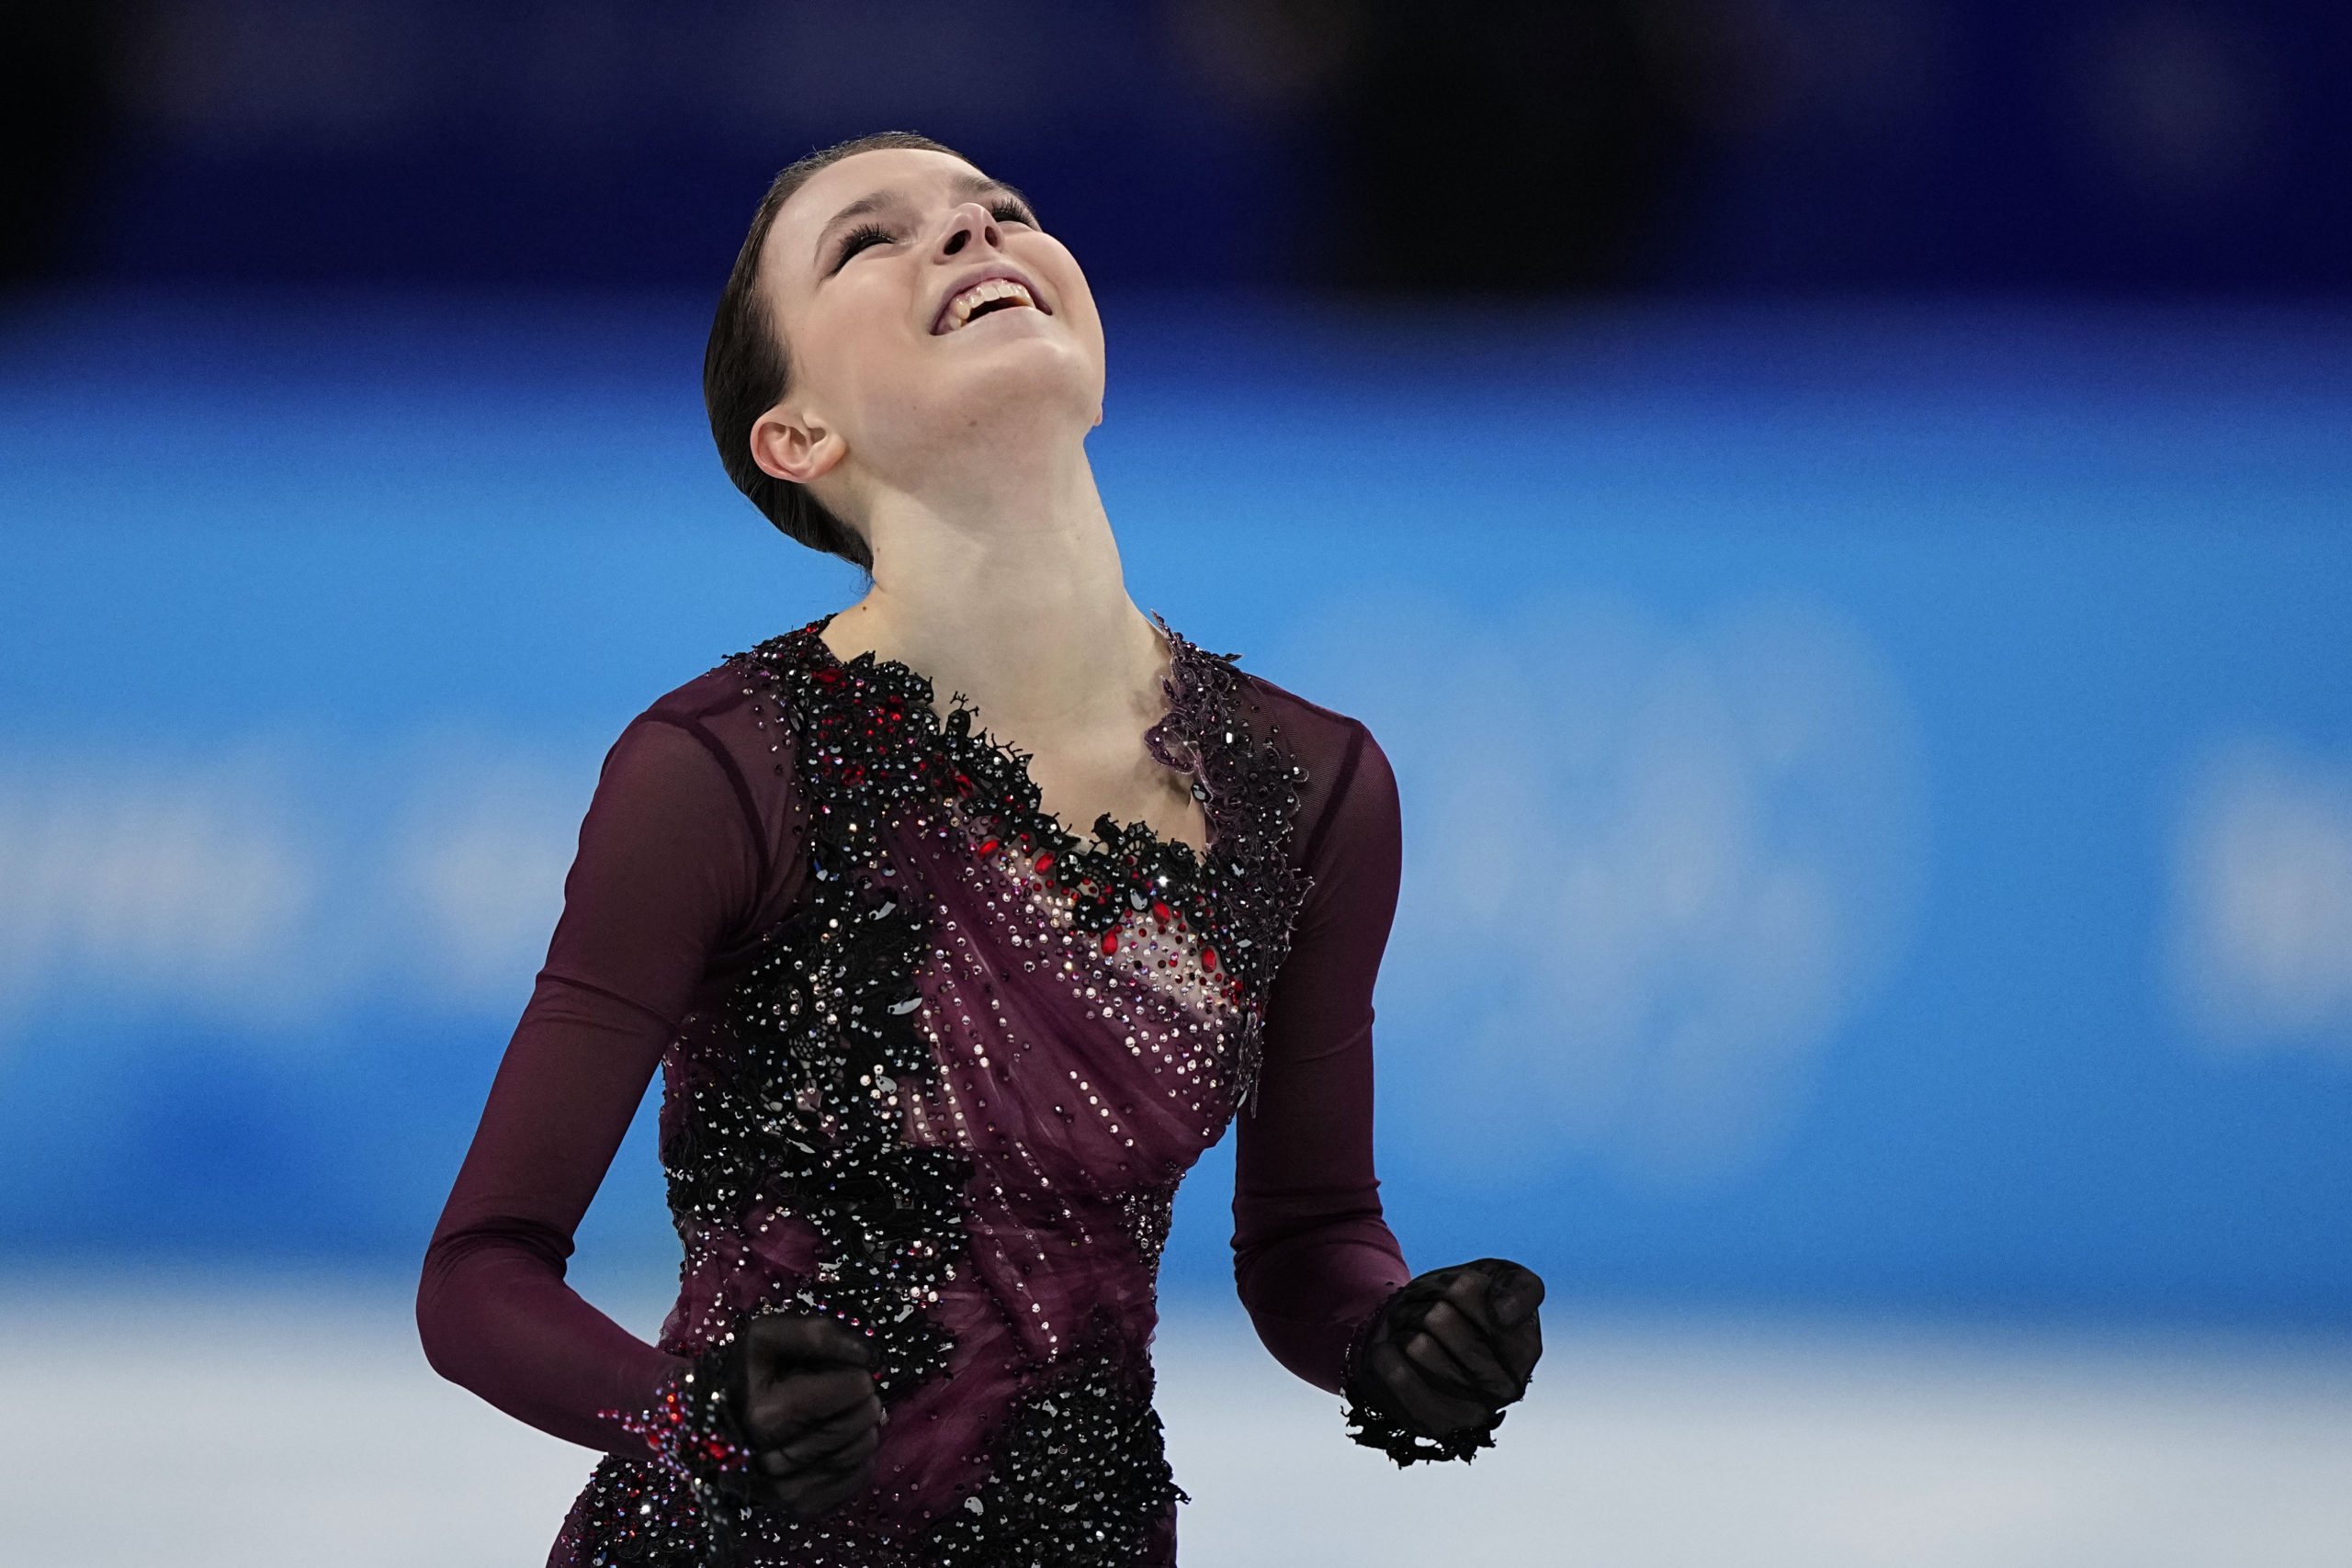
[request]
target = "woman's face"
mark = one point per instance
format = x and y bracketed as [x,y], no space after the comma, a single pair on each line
[921,305]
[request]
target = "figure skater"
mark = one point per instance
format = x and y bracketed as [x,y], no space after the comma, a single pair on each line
[958,923]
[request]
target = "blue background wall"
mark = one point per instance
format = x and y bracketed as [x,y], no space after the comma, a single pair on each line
[1878,778]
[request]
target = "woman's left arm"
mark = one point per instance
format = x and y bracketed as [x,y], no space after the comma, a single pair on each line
[1427,1363]
[1312,1257]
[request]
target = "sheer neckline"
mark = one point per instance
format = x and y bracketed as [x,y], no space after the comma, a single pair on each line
[1166,741]
[871,750]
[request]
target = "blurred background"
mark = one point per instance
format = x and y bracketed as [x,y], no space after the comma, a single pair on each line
[1836,509]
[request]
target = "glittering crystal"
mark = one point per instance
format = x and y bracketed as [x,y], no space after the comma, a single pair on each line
[861,1129]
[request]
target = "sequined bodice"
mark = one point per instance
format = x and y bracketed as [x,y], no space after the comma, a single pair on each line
[951,1100]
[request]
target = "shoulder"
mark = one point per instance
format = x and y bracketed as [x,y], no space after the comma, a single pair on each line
[707,769]
[718,729]
[1325,742]
[714,694]
[1310,725]
[711,713]
[738,706]
[1349,790]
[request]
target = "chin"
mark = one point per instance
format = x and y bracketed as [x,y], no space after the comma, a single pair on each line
[1021,378]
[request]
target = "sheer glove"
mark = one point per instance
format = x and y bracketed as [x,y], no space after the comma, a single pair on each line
[809,1412]
[1431,1372]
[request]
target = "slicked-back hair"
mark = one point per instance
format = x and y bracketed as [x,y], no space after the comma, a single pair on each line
[747,367]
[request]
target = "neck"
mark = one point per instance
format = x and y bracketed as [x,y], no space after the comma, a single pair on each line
[1004,585]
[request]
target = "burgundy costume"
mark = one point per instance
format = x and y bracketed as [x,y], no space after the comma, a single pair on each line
[934,1066]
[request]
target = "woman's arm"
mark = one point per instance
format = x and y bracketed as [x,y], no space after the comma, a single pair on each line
[671,865]
[1311,1255]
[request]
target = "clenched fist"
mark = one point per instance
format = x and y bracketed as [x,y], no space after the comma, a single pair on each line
[1456,1345]
[811,1412]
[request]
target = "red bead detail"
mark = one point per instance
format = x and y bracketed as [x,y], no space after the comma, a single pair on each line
[1045,861]
[988,846]
[1110,941]
[1208,959]
[1162,913]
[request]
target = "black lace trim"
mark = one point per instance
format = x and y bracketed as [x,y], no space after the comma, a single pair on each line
[797,1103]
[1371,1424]
[690,1503]
[875,736]
[1079,1479]
[802,1108]
[635,1514]
[1247,784]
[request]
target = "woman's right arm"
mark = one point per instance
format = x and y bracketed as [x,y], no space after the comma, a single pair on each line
[671,869]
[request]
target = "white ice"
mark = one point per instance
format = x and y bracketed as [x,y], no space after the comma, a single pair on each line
[274,1423]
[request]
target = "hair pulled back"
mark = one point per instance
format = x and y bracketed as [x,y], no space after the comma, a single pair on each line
[747,367]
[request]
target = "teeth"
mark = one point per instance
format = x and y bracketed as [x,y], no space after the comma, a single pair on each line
[960,309]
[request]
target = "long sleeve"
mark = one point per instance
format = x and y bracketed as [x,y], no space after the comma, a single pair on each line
[672,868]
[1312,1257]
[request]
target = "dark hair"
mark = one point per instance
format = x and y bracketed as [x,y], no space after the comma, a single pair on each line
[746,367]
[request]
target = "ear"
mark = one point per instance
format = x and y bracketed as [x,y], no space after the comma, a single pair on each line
[788,444]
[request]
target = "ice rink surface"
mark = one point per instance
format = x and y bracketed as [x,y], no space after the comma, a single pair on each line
[270,1424]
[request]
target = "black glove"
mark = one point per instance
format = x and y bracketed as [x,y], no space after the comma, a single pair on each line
[1431,1375]
[807,1408]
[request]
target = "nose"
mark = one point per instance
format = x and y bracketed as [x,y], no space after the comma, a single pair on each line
[971,224]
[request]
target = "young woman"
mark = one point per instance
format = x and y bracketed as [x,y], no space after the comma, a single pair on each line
[944,1014]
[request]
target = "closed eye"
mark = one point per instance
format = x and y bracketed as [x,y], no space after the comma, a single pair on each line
[1005,209]
[858,239]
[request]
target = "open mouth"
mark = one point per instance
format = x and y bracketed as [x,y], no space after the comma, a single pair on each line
[983,299]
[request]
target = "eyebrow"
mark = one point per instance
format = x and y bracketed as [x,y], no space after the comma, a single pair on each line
[962,184]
